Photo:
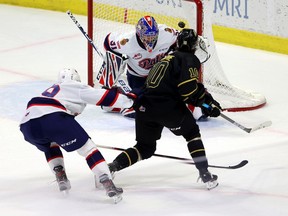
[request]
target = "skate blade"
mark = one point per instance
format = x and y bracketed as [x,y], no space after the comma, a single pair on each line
[117,198]
[64,187]
[65,193]
[211,185]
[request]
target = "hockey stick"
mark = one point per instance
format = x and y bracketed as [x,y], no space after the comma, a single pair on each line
[116,80]
[187,160]
[247,129]
[85,34]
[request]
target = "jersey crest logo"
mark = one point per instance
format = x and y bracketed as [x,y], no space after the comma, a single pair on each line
[147,63]
[137,56]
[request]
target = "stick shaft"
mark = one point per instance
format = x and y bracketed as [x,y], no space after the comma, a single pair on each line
[248,130]
[186,160]
[85,34]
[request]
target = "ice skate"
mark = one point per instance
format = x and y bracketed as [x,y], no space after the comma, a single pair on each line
[61,178]
[98,185]
[209,179]
[111,190]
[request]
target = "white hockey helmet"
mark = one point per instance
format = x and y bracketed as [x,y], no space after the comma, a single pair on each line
[68,74]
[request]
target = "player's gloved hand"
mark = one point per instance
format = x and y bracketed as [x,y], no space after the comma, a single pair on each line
[136,95]
[211,107]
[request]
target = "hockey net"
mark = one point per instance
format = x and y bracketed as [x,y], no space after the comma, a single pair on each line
[105,16]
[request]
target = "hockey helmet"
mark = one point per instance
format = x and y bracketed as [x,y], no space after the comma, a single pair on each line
[68,74]
[187,40]
[147,30]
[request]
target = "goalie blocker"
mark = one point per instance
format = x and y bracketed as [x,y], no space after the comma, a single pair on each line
[111,69]
[109,76]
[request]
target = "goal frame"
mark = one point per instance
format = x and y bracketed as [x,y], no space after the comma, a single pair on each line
[90,81]
[232,98]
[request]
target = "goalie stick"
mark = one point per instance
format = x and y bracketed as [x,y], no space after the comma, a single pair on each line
[111,69]
[85,34]
[186,160]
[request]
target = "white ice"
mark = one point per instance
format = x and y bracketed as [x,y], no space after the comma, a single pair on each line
[35,44]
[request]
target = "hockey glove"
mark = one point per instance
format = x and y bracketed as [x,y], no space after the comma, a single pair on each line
[136,94]
[211,107]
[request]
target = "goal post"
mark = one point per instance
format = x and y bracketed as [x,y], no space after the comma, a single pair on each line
[105,16]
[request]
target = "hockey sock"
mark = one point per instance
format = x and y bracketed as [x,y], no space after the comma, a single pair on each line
[54,152]
[54,157]
[94,158]
[197,152]
[126,158]
[97,163]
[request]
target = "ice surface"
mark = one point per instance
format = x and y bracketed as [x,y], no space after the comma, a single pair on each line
[36,44]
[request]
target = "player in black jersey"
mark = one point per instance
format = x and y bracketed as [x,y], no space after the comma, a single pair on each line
[171,85]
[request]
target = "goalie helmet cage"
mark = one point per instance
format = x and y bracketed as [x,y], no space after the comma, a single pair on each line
[105,16]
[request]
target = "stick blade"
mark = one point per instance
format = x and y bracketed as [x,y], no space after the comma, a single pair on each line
[237,166]
[241,164]
[260,126]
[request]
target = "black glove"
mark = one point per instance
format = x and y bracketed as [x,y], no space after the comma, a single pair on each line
[211,107]
[136,95]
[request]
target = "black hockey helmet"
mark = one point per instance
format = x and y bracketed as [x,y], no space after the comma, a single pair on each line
[187,40]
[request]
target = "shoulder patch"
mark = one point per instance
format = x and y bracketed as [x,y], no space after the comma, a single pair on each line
[194,73]
[168,30]
[123,41]
[168,58]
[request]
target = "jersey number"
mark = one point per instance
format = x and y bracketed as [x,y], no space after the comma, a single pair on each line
[156,74]
[52,91]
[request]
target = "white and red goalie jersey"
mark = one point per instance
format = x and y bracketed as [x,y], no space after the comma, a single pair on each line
[140,61]
[72,97]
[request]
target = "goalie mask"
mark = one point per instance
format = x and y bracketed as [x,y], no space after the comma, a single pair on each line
[68,74]
[147,30]
[187,40]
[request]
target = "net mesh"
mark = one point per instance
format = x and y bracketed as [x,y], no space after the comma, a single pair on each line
[122,15]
